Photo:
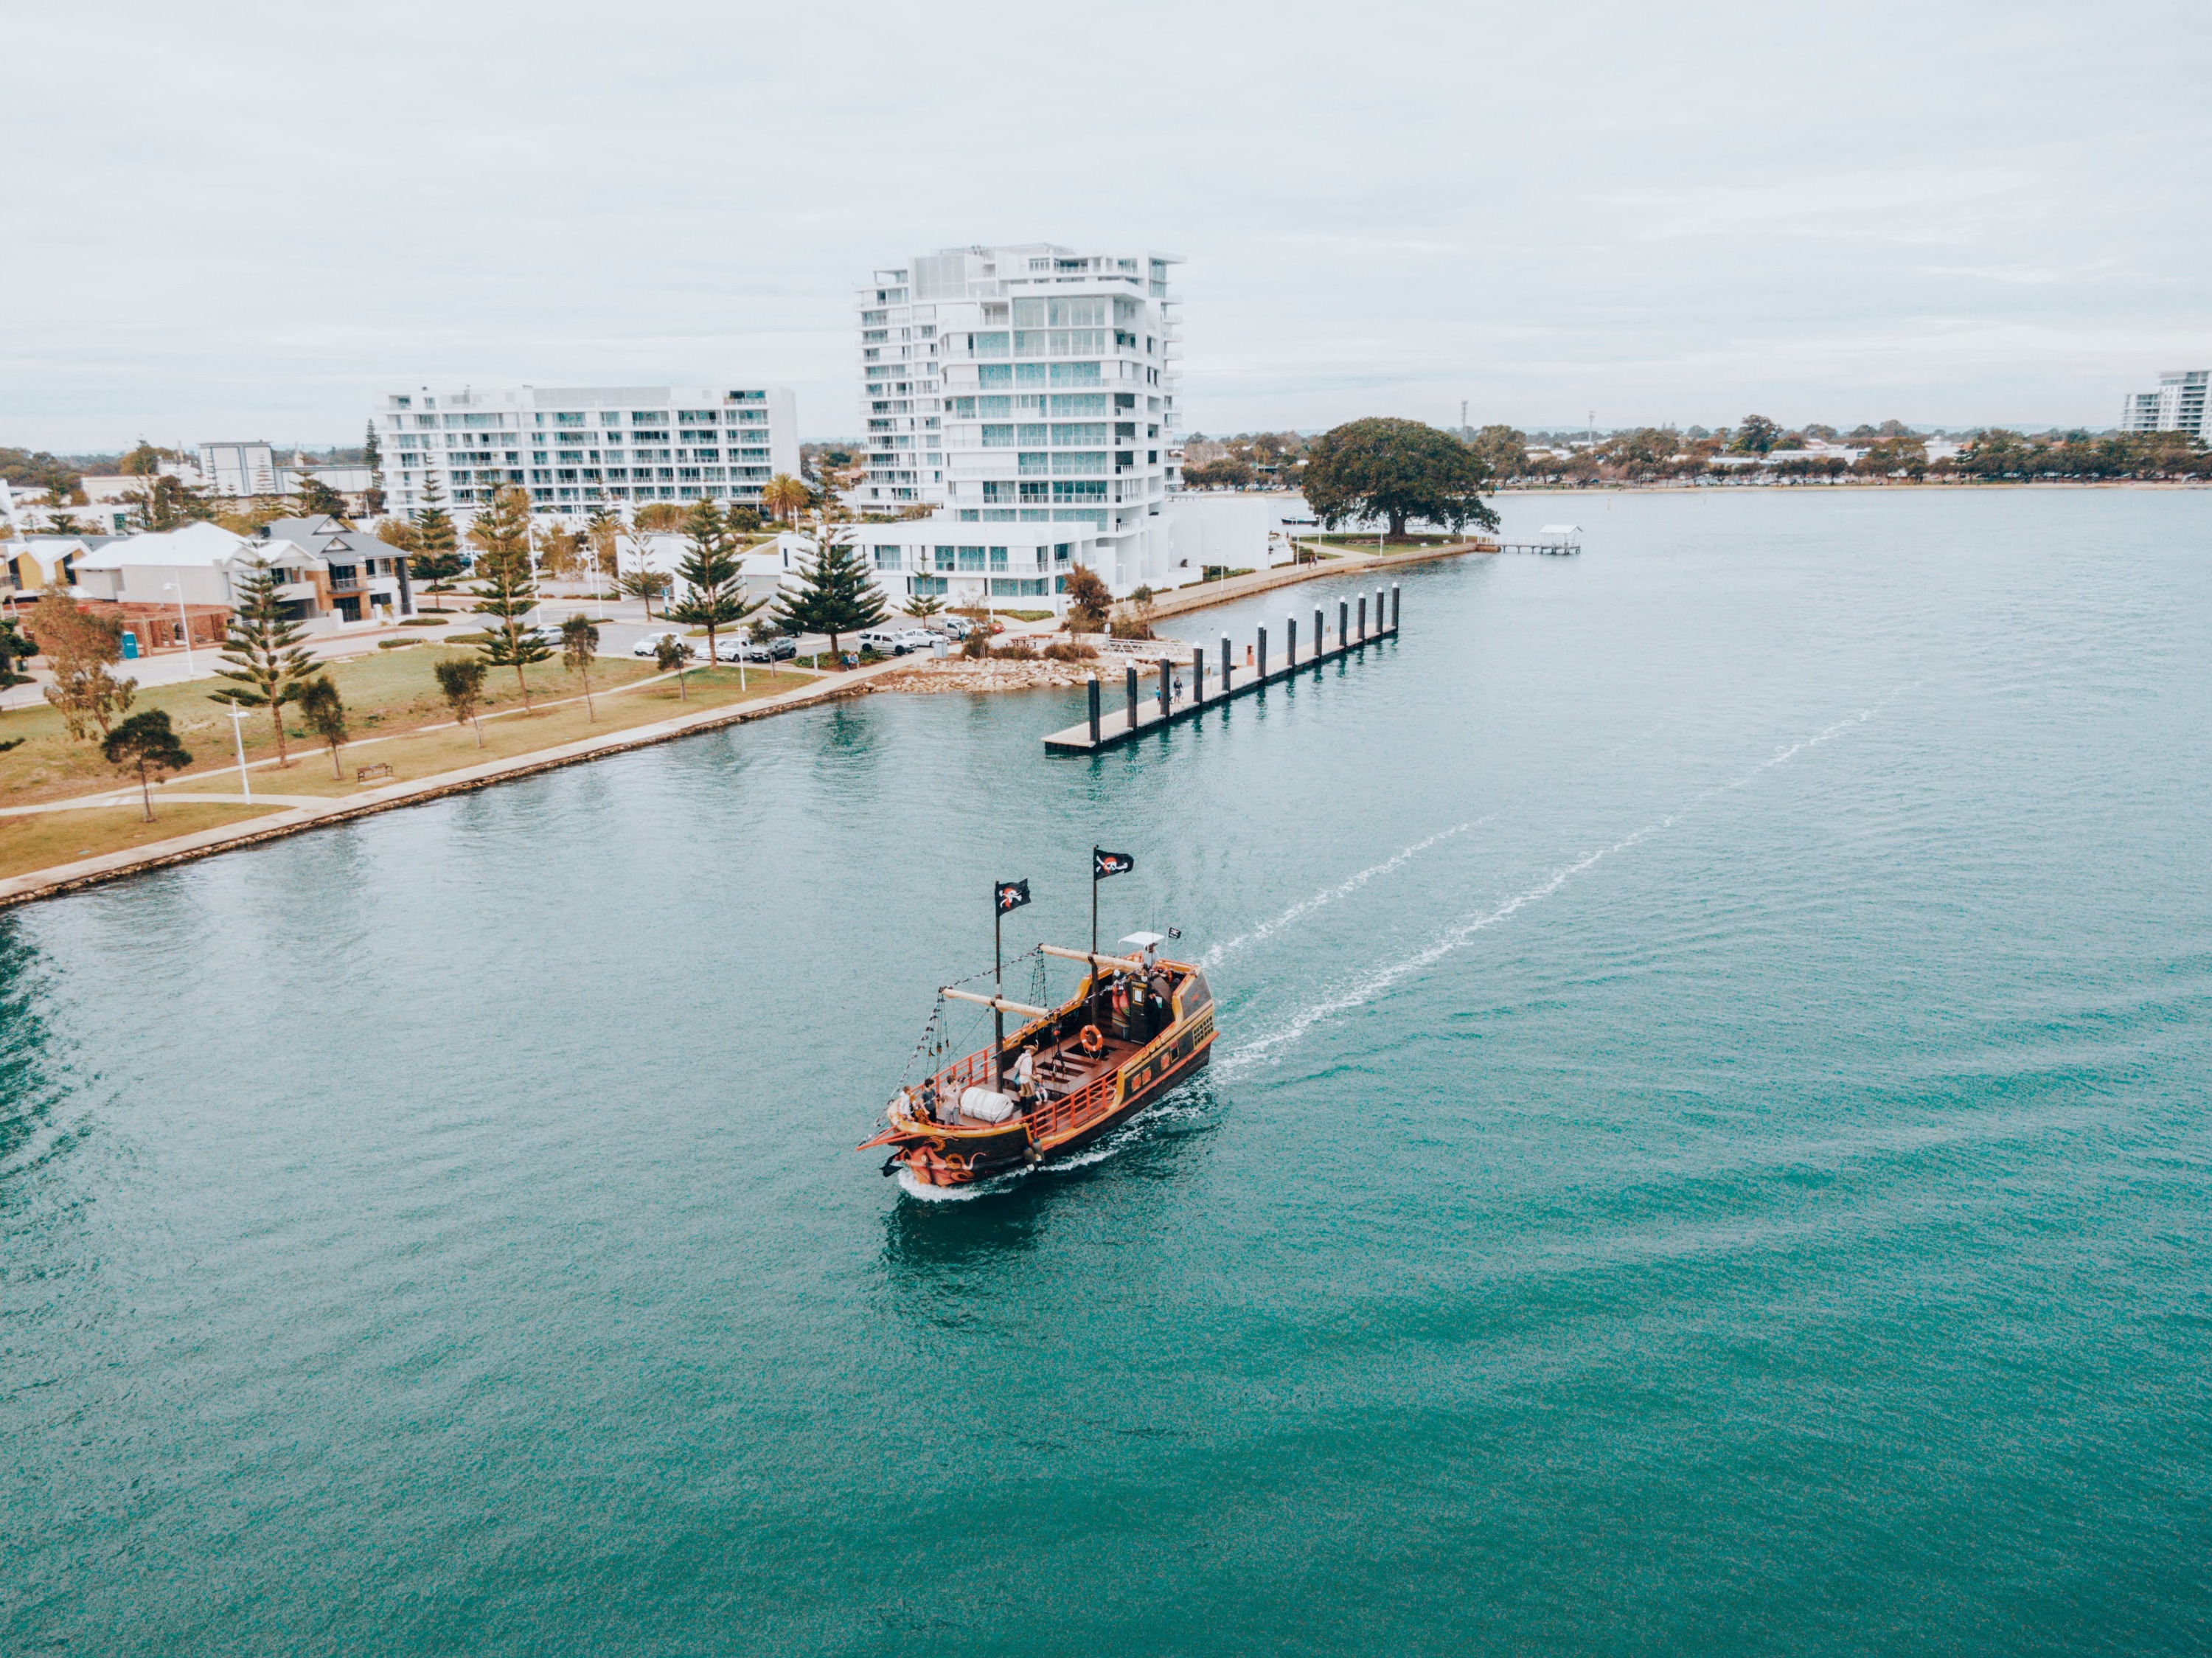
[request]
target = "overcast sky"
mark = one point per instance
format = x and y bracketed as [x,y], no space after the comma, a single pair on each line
[225,221]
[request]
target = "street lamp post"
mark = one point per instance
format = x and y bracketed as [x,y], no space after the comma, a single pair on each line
[184,626]
[238,732]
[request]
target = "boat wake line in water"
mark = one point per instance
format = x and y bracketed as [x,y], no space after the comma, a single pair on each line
[1365,989]
[1330,894]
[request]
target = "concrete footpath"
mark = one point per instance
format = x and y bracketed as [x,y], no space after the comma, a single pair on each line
[114,866]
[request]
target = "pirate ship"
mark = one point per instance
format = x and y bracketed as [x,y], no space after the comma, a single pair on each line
[1138,1024]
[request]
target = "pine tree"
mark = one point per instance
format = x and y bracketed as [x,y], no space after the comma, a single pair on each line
[437,561]
[716,598]
[836,595]
[506,594]
[372,451]
[269,665]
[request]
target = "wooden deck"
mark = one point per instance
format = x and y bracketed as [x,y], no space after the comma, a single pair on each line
[1122,712]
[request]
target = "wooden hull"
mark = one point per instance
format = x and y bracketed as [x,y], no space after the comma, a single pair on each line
[1062,1124]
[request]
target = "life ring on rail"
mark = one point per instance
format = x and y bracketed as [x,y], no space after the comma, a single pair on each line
[1091,1041]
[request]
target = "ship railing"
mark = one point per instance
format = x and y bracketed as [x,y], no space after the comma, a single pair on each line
[1070,1114]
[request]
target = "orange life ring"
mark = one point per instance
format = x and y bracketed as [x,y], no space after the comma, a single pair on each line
[1091,1042]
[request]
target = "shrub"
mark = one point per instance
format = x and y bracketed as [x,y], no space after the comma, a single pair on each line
[1015,650]
[1070,650]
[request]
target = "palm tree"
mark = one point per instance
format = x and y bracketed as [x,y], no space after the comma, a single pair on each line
[786,497]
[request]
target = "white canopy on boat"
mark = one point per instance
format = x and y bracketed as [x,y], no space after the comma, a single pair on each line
[1146,940]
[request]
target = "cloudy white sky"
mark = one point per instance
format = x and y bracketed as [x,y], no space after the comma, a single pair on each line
[229,221]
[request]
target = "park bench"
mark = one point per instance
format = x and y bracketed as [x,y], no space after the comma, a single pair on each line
[380,770]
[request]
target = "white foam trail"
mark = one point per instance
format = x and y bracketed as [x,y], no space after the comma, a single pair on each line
[1213,957]
[1367,989]
[1375,984]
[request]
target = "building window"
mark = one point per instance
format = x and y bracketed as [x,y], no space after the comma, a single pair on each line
[889,557]
[971,558]
[998,558]
[945,559]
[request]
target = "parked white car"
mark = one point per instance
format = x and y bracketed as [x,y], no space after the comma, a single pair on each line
[650,644]
[915,638]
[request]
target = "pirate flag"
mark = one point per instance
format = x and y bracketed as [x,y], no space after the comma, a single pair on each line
[1012,895]
[1104,864]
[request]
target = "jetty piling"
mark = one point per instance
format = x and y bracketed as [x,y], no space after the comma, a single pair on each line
[1104,732]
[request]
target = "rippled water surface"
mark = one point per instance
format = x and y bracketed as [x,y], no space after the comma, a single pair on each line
[1707,1153]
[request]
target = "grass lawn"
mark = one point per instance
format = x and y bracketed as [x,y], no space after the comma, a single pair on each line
[413,755]
[385,691]
[39,839]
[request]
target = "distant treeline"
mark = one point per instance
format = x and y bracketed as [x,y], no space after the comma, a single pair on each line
[1755,448]
[36,469]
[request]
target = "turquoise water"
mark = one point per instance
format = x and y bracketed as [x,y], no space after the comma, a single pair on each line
[1707,1153]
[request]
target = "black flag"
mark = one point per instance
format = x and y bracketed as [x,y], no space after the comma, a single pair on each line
[1012,895]
[1104,864]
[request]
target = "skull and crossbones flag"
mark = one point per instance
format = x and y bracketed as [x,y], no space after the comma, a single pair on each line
[1012,895]
[1104,864]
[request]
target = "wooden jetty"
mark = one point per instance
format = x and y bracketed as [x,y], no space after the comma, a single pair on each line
[1211,684]
[1559,540]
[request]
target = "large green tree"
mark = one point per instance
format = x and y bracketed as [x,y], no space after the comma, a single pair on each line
[836,595]
[714,598]
[506,592]
[1756,435]
[1503,450]
[1397,471]
[145,744]
[268,665]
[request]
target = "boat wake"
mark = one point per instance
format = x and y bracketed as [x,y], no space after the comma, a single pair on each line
[1329,895]
[1365,989]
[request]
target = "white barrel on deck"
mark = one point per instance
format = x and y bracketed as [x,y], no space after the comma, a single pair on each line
[986,1106]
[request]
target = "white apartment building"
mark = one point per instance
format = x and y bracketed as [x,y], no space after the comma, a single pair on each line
[2178,405]
[577,447]
[1028,385]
